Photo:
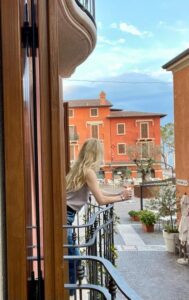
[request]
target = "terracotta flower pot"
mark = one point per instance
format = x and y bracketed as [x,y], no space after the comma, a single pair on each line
[148,228]
[136,218]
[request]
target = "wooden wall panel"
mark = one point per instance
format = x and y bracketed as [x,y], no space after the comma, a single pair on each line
[53,161]
[57,146]
[14,154]
[52,150]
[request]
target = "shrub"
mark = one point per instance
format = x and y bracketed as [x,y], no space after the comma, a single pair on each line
[170,229]
[133,213]
[147,217]
[166,204]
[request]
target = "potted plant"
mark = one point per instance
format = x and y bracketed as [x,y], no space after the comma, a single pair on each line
[148,219]
[135,215]
[166,204]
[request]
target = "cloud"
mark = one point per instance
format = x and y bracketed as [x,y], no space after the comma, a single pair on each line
[178,27]
[114,58]
[129,28]
[103,40]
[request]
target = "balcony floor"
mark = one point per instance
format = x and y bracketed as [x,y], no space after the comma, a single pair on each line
[143,261]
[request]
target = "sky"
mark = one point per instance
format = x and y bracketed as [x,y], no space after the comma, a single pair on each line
[134,40]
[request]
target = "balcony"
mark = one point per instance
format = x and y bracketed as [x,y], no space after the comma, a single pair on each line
[97,278]
[88,6]
[76,33]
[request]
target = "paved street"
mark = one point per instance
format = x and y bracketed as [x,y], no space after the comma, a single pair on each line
[144,262]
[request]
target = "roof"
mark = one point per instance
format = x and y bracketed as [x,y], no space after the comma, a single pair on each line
[116,109]
[176,59]
[88,103]
[129,114]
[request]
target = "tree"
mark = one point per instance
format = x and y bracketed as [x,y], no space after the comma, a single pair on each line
[144,158]
[167,141]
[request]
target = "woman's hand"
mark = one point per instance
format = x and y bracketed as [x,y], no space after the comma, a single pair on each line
[126,194]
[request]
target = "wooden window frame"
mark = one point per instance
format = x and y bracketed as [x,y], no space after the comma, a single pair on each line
[91,115]
[97,131]
[72,115]
[144,123]
[119,144]
[124,131]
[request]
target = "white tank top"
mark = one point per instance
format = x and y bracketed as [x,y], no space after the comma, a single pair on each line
[77,199]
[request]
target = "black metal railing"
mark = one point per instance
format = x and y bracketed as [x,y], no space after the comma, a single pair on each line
[88,6]
[94,266]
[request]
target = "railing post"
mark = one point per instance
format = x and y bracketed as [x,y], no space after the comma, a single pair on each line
[141,197]
[112,288]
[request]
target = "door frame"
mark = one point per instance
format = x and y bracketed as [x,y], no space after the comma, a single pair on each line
[52,150]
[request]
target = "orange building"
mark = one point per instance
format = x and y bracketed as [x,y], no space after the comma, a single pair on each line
[117,130]
[180,69]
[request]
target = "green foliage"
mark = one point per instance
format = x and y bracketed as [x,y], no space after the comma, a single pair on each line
[144,166]
[133,213]
[167,136]
[167,140]
[144,160]
[147,217]
[165,203]
[170,229]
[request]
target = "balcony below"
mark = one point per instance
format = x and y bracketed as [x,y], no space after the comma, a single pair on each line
[76,34]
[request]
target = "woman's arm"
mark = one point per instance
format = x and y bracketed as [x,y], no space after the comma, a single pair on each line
[101,198]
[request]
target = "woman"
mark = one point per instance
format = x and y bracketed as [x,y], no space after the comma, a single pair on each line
[81,180]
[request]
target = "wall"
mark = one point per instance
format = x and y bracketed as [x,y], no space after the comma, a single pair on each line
[181,113]
[108,134]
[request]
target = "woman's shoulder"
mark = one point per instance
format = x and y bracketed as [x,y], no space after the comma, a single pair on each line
[90,172]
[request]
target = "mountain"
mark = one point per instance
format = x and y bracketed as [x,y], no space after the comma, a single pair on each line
[129,91]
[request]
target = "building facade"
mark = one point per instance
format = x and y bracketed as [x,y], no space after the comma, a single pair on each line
[121,133]
[179,66]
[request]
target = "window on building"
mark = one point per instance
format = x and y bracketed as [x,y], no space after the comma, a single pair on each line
[121,149]
[71,113]
[94,131]
[94,112]
[144,150]
[144,130]
[73,132]
[120,128]
[72,152]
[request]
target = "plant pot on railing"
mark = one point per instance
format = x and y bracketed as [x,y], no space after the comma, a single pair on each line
[148,219]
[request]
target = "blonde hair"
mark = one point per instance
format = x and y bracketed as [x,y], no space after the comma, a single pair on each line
[90,157]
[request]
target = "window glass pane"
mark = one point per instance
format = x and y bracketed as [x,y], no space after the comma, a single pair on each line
[144,149]
[72,152]
[120,129]
[73,132]
[94,131]
[144,130]
[121,148]
[70,112]
[94,112]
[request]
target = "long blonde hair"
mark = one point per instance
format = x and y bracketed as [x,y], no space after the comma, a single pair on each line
[90,157]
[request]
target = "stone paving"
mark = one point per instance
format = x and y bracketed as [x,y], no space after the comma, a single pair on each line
[144,262]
